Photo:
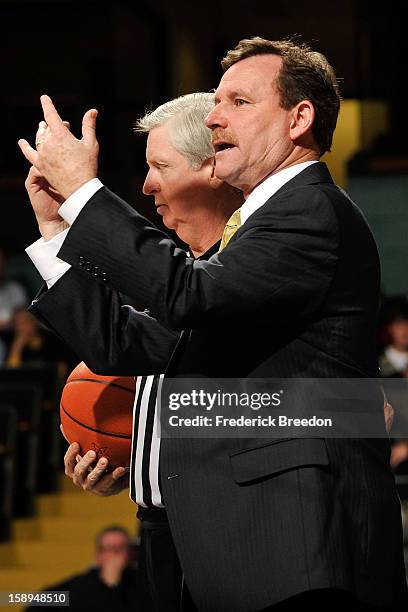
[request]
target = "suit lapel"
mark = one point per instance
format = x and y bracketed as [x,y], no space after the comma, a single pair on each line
[316,174]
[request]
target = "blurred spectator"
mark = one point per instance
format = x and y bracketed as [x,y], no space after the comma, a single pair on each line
[32,344]
[113,584]
[393,360]
[12,295]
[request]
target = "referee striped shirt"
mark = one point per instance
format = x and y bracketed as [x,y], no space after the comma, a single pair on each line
[144,467]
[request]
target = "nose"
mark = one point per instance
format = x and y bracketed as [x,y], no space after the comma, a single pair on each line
[150,186]
[216,118]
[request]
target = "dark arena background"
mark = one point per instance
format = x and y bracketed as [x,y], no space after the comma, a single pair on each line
[123,58]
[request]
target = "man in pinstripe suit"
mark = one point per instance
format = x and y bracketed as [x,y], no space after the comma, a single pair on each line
[294,294]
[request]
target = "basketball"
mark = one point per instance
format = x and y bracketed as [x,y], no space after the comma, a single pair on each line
[96,411]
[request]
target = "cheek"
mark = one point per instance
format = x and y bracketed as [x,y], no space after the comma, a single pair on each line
[172,197]
[100,558]
[254,141]
[181,195]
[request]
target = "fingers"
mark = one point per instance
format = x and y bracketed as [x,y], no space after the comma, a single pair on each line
[89,126]
[41,132]
[43,125]
[95,475]
[53,122]
[118,473]
[100,471]
[97,480]
[36,173]
[51,116]
[104,484]
[81,469]
[29,153]
[70,459]
[88,475]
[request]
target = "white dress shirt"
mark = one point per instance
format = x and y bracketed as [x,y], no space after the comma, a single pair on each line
[43,253]
[269,187]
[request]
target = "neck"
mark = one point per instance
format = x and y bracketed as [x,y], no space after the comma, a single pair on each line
[296,157]
[209,221]
[205,236]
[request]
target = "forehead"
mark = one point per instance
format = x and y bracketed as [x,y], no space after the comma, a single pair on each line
[254,75]
[159,142]
[400,321]
[113,536]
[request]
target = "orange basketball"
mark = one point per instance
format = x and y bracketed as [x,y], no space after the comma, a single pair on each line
[96,411]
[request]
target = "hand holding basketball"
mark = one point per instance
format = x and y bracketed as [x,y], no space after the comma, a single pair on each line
[96,412]
[91,475]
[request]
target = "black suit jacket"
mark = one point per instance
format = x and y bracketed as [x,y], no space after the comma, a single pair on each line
[254,521]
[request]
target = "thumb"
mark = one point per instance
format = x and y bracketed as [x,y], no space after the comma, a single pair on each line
[89,126]
[34,173]
[63,433]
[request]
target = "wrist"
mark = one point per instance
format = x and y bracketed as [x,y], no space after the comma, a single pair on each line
[49,229]
[68,189]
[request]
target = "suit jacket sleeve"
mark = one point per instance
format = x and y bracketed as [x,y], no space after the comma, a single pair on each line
[282,259]
[109,337]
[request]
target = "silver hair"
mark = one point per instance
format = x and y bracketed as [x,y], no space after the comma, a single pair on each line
[187,130]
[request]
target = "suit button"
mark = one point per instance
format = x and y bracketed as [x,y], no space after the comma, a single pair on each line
[88,266]
[96,271]
[105,277]
[81,261]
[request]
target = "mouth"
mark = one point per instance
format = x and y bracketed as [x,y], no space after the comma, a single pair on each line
[159,207]
[222,145]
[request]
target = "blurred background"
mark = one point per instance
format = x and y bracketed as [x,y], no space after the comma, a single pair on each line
[123,57]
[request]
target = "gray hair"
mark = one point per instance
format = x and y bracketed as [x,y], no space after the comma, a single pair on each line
[188,132]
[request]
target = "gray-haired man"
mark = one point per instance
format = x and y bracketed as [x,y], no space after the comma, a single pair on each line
[196,205]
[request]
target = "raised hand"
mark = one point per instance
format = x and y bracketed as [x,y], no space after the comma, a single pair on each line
[63,160]
[44,199]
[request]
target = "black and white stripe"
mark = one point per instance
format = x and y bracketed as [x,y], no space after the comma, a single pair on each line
[144,467]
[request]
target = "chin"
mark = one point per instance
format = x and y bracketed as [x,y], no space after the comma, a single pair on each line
[169,222]
[229,175]
[224,175]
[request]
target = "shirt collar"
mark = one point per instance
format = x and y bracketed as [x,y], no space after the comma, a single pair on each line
[269,187]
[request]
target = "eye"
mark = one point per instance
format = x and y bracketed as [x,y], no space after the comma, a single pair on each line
[239,101]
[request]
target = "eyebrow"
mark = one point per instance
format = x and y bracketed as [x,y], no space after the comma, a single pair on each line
[234,93]
[159,161]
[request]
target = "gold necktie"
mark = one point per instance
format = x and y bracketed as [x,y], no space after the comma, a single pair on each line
[233,224]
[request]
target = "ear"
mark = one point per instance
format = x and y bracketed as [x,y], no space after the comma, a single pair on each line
[209,167]
[303,115]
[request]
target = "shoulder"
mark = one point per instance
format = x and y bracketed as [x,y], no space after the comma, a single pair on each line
[304,209]
[72,582]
